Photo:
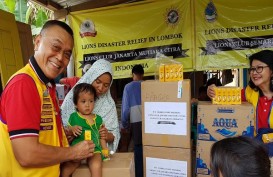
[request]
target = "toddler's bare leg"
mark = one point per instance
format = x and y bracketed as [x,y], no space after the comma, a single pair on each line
[68,168]
[95,165]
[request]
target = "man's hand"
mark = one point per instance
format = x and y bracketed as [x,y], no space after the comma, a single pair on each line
[83,150]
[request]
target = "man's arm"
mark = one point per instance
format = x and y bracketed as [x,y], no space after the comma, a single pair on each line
[125,109]
[30,153]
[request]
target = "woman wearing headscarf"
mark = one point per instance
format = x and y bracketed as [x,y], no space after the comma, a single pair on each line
[100,75]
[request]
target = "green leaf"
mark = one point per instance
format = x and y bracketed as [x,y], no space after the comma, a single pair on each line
[30,11]
[3,6]
[11,5]
[20,10]
[41,18]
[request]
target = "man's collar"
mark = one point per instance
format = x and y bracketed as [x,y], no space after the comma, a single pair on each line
[39,72]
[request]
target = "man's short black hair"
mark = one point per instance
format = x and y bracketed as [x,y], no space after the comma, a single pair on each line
[138,69]
[61,24]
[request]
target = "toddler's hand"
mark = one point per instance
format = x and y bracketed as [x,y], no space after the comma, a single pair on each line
[76,130]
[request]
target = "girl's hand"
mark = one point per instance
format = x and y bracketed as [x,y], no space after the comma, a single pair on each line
[76,130]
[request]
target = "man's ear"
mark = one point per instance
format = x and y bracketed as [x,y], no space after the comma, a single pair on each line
[37,41]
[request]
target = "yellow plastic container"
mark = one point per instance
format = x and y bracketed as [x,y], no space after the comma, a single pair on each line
[87,135]
[170,72]
[227,95]
[267,138]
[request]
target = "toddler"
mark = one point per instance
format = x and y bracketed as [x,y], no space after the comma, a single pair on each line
[85,125]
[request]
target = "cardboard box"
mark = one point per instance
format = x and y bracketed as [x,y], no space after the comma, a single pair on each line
[120,165]
[166,161]
[216,122]
[166,113]
[203,158]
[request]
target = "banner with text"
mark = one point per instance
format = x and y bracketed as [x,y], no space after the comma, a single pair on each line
[132,34]
[227,32]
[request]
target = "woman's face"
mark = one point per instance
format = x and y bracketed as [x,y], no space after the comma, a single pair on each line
[102,83]
[260,74]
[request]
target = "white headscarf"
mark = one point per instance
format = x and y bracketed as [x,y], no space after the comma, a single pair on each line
[104,104]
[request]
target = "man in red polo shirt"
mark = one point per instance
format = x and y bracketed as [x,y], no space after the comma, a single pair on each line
[33,142]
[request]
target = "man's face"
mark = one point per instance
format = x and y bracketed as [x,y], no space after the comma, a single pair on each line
[53,48]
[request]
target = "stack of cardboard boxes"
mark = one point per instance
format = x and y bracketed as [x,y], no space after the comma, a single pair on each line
[216,122]
[166,128]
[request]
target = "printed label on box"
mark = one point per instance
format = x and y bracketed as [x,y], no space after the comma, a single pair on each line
[166,118]
[203,157]
[156,167]
[179,89]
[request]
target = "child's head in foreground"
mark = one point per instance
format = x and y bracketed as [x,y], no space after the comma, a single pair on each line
[239,157]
